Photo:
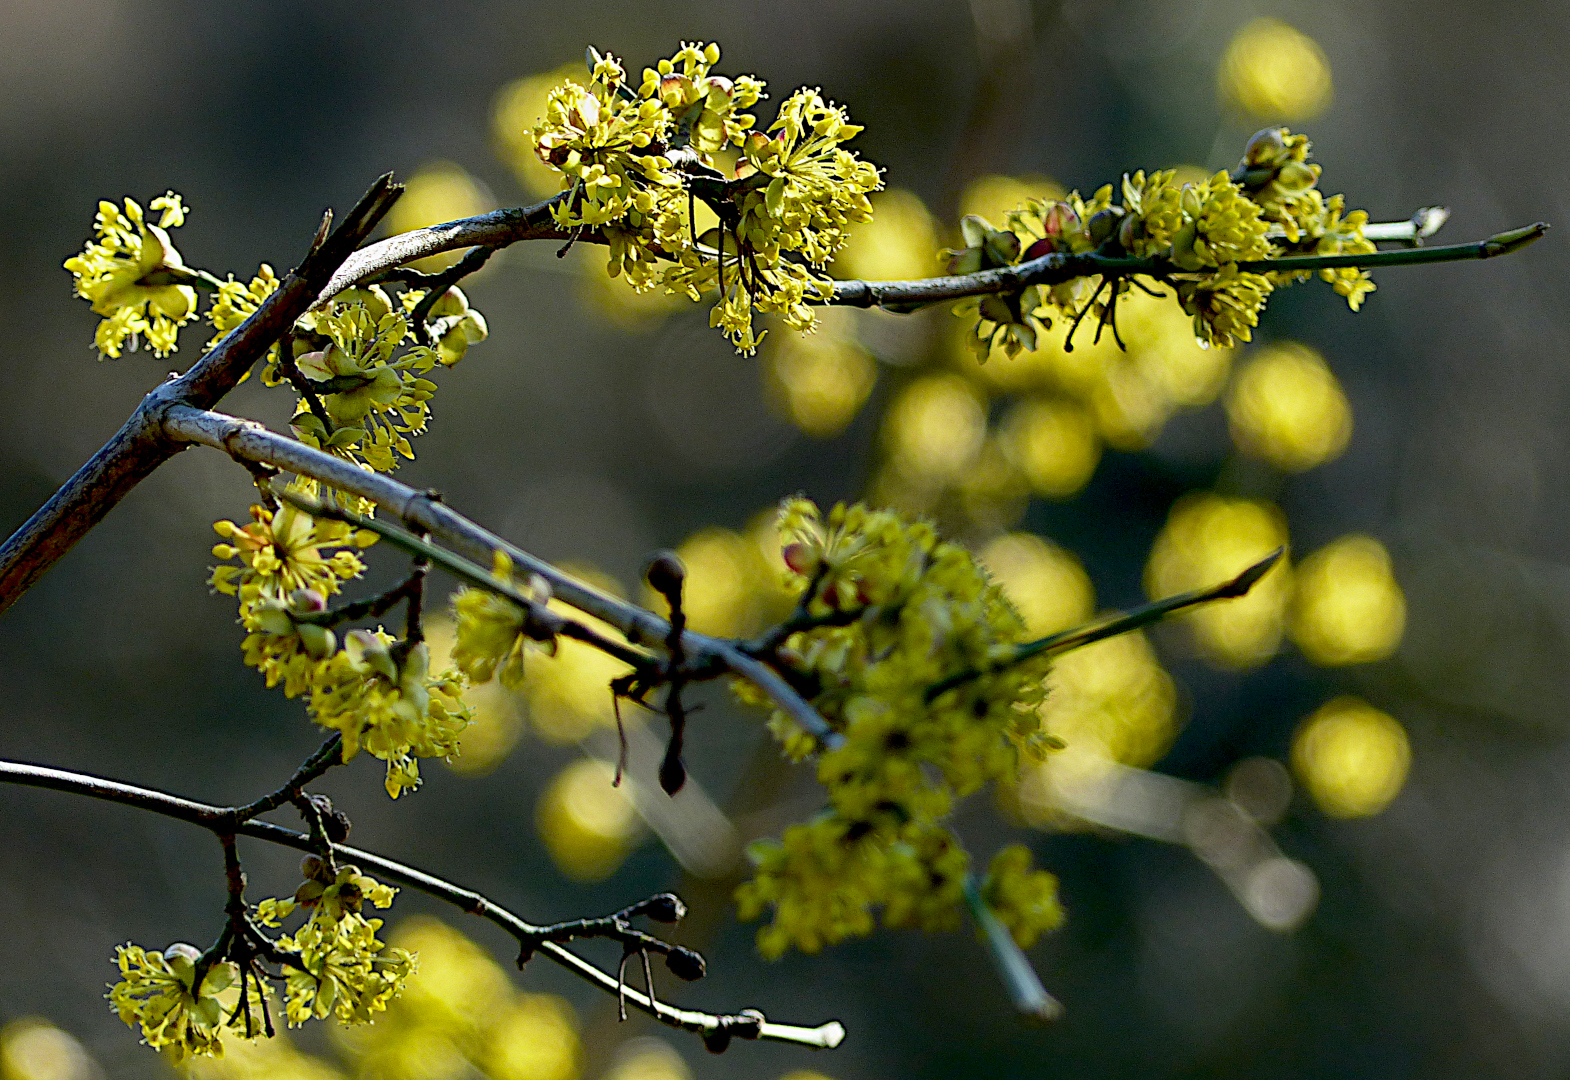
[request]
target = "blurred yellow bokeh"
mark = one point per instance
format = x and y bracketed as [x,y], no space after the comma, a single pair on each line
[934,430]
[1287,407]
[1053,443]
[31,1048]
[498,713]
[459,1016]
[1209,539]
[1113,699]
[901,241]
[589,827]
[819,381]
[261,1059]
[993,196]
[534,1038]
[648,1058]
[1348,608]
[1352,758]
[993,493]
[1046,584]
[1274,72]
[1162,347]
[618,303]
[438,191]
[518,107]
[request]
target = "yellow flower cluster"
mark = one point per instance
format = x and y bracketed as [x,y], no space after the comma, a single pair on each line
[635,161]
[335,965]
[374,400]
[901,611]
[159,992]
[1024,900]
[1267,207]
[380,695]
[134,277]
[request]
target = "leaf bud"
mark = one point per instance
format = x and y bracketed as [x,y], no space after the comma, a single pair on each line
[665,907]
[665,574]
[673,774]
[336,825]
[716,1041]
[684,963]
[314,868]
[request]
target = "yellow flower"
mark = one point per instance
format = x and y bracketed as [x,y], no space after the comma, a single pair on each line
[133,276]
[159,992]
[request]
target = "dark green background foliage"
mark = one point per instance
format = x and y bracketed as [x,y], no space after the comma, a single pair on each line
[1441,947]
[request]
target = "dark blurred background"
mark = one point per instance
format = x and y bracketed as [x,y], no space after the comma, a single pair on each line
[592,430]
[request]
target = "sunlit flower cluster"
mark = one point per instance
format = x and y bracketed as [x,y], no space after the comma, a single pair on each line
[898,612]
[173,997]
[378,693]
[334,964]
[634,162]
[1266,208]
[134,277]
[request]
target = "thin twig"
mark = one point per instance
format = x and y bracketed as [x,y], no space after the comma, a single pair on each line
[746,1024]
[1080,636]
[251,441]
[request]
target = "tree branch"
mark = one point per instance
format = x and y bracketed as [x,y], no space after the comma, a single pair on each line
[246,440]
[140,445]
[749,1024]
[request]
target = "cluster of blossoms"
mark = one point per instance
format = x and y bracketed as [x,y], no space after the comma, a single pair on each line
[134,277]
[635,162]
[335,965]
[493,634]
[891,613]
[376,692]
[161,992]
[1268,207]
[360,357]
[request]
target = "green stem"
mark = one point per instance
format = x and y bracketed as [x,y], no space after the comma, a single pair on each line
[1080,636]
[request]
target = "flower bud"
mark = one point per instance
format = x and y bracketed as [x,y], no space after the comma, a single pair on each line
[336,826]
[673,774]
[684,963]
[800,557]
[314,868]
[1103,223]
[1045,246]
[1266,148]
[318,641]
[190,954]
[307,602]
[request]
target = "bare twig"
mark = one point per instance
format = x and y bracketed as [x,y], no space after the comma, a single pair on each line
[251,441]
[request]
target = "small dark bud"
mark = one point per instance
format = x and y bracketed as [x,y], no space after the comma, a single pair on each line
[673,774]
[1103,223]
[336,826]
[665,573]
[684,963]
[750,1025]
[665,908]
[525,954]
[716,1041]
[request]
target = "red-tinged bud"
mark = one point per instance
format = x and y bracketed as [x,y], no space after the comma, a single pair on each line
[1045,246]
[1059,219]
[800,558]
